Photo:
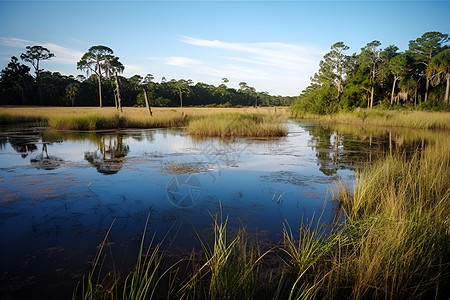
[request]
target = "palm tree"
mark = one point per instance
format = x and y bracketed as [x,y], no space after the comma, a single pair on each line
[440,67]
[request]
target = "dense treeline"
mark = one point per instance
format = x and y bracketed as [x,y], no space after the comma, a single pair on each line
[419,76]
[19,87]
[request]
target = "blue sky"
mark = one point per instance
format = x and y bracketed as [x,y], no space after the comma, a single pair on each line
[272,46]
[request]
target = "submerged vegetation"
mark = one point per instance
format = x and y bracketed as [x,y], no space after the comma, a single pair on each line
[394,243]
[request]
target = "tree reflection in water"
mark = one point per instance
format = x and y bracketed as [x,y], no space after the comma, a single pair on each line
[109,158]
[44,161]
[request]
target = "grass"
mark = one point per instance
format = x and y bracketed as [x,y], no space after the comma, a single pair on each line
[398,227]
[388,118]
[141,283]
[234,124]
[234,121]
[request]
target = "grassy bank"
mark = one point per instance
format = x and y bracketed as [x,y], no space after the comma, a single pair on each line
[258,120]
[393,244]
[234,124]
[388,118]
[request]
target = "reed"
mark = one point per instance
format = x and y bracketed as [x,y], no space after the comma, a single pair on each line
[387,118]
[7,119]
[230,269]
[266,121]
[398,228]
[143,281]
[95,285]
[233,124]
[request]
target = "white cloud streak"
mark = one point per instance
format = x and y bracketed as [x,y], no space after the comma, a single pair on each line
[62,54]
[280,55]
[280,67]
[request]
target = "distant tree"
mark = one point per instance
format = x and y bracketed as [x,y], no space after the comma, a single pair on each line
[93,61]
[72,91]
[398,66]
[182,87]
[34,55]
[440,67]
[15,76]
[148,78]
[225,80]
[370,59]
[332,67]
[424,48]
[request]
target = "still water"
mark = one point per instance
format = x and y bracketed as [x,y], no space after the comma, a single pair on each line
[61,191]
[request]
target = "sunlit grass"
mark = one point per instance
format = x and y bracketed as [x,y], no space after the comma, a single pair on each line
[240,121]
[233,124]
[388,118]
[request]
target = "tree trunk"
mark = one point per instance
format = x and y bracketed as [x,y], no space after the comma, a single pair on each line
[447,88]
[427,84]
[100,89]
[119,100]
[393,89]
[371,97]
[181,99]
[146,103]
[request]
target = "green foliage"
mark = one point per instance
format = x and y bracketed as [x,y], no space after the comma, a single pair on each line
[322,100]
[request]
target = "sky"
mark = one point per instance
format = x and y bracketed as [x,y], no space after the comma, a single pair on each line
[273,46]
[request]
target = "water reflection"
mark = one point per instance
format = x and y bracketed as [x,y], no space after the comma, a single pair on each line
[45,161]
[340,147]
[54,194]
[110,156]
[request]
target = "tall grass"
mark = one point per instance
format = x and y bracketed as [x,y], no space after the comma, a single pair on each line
[141,283]
[233,124]
[230,268]
[93,285]
[240,122]
[389,118]
[398,226]
[6,119]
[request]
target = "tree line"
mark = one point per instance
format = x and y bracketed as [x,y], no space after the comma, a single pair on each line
[419,76]
[104,86]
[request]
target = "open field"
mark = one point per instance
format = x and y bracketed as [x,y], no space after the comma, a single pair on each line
[387,118]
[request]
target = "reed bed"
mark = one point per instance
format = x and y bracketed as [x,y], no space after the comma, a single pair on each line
[398,228]
[387,118]
[233,124]
[264,121]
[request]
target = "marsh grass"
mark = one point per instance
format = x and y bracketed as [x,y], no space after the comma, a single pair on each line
[233,121]
[398,228]
[387,118]
[96,285]
[6,119]
[234,124]
[230,269]
[141,283]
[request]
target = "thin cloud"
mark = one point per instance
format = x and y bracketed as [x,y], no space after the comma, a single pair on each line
[62,54]
[275,54]
[230,70]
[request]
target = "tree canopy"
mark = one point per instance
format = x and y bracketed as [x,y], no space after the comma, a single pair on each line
[377,76]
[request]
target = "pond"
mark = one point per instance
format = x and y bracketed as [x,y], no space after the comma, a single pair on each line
[61,191]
